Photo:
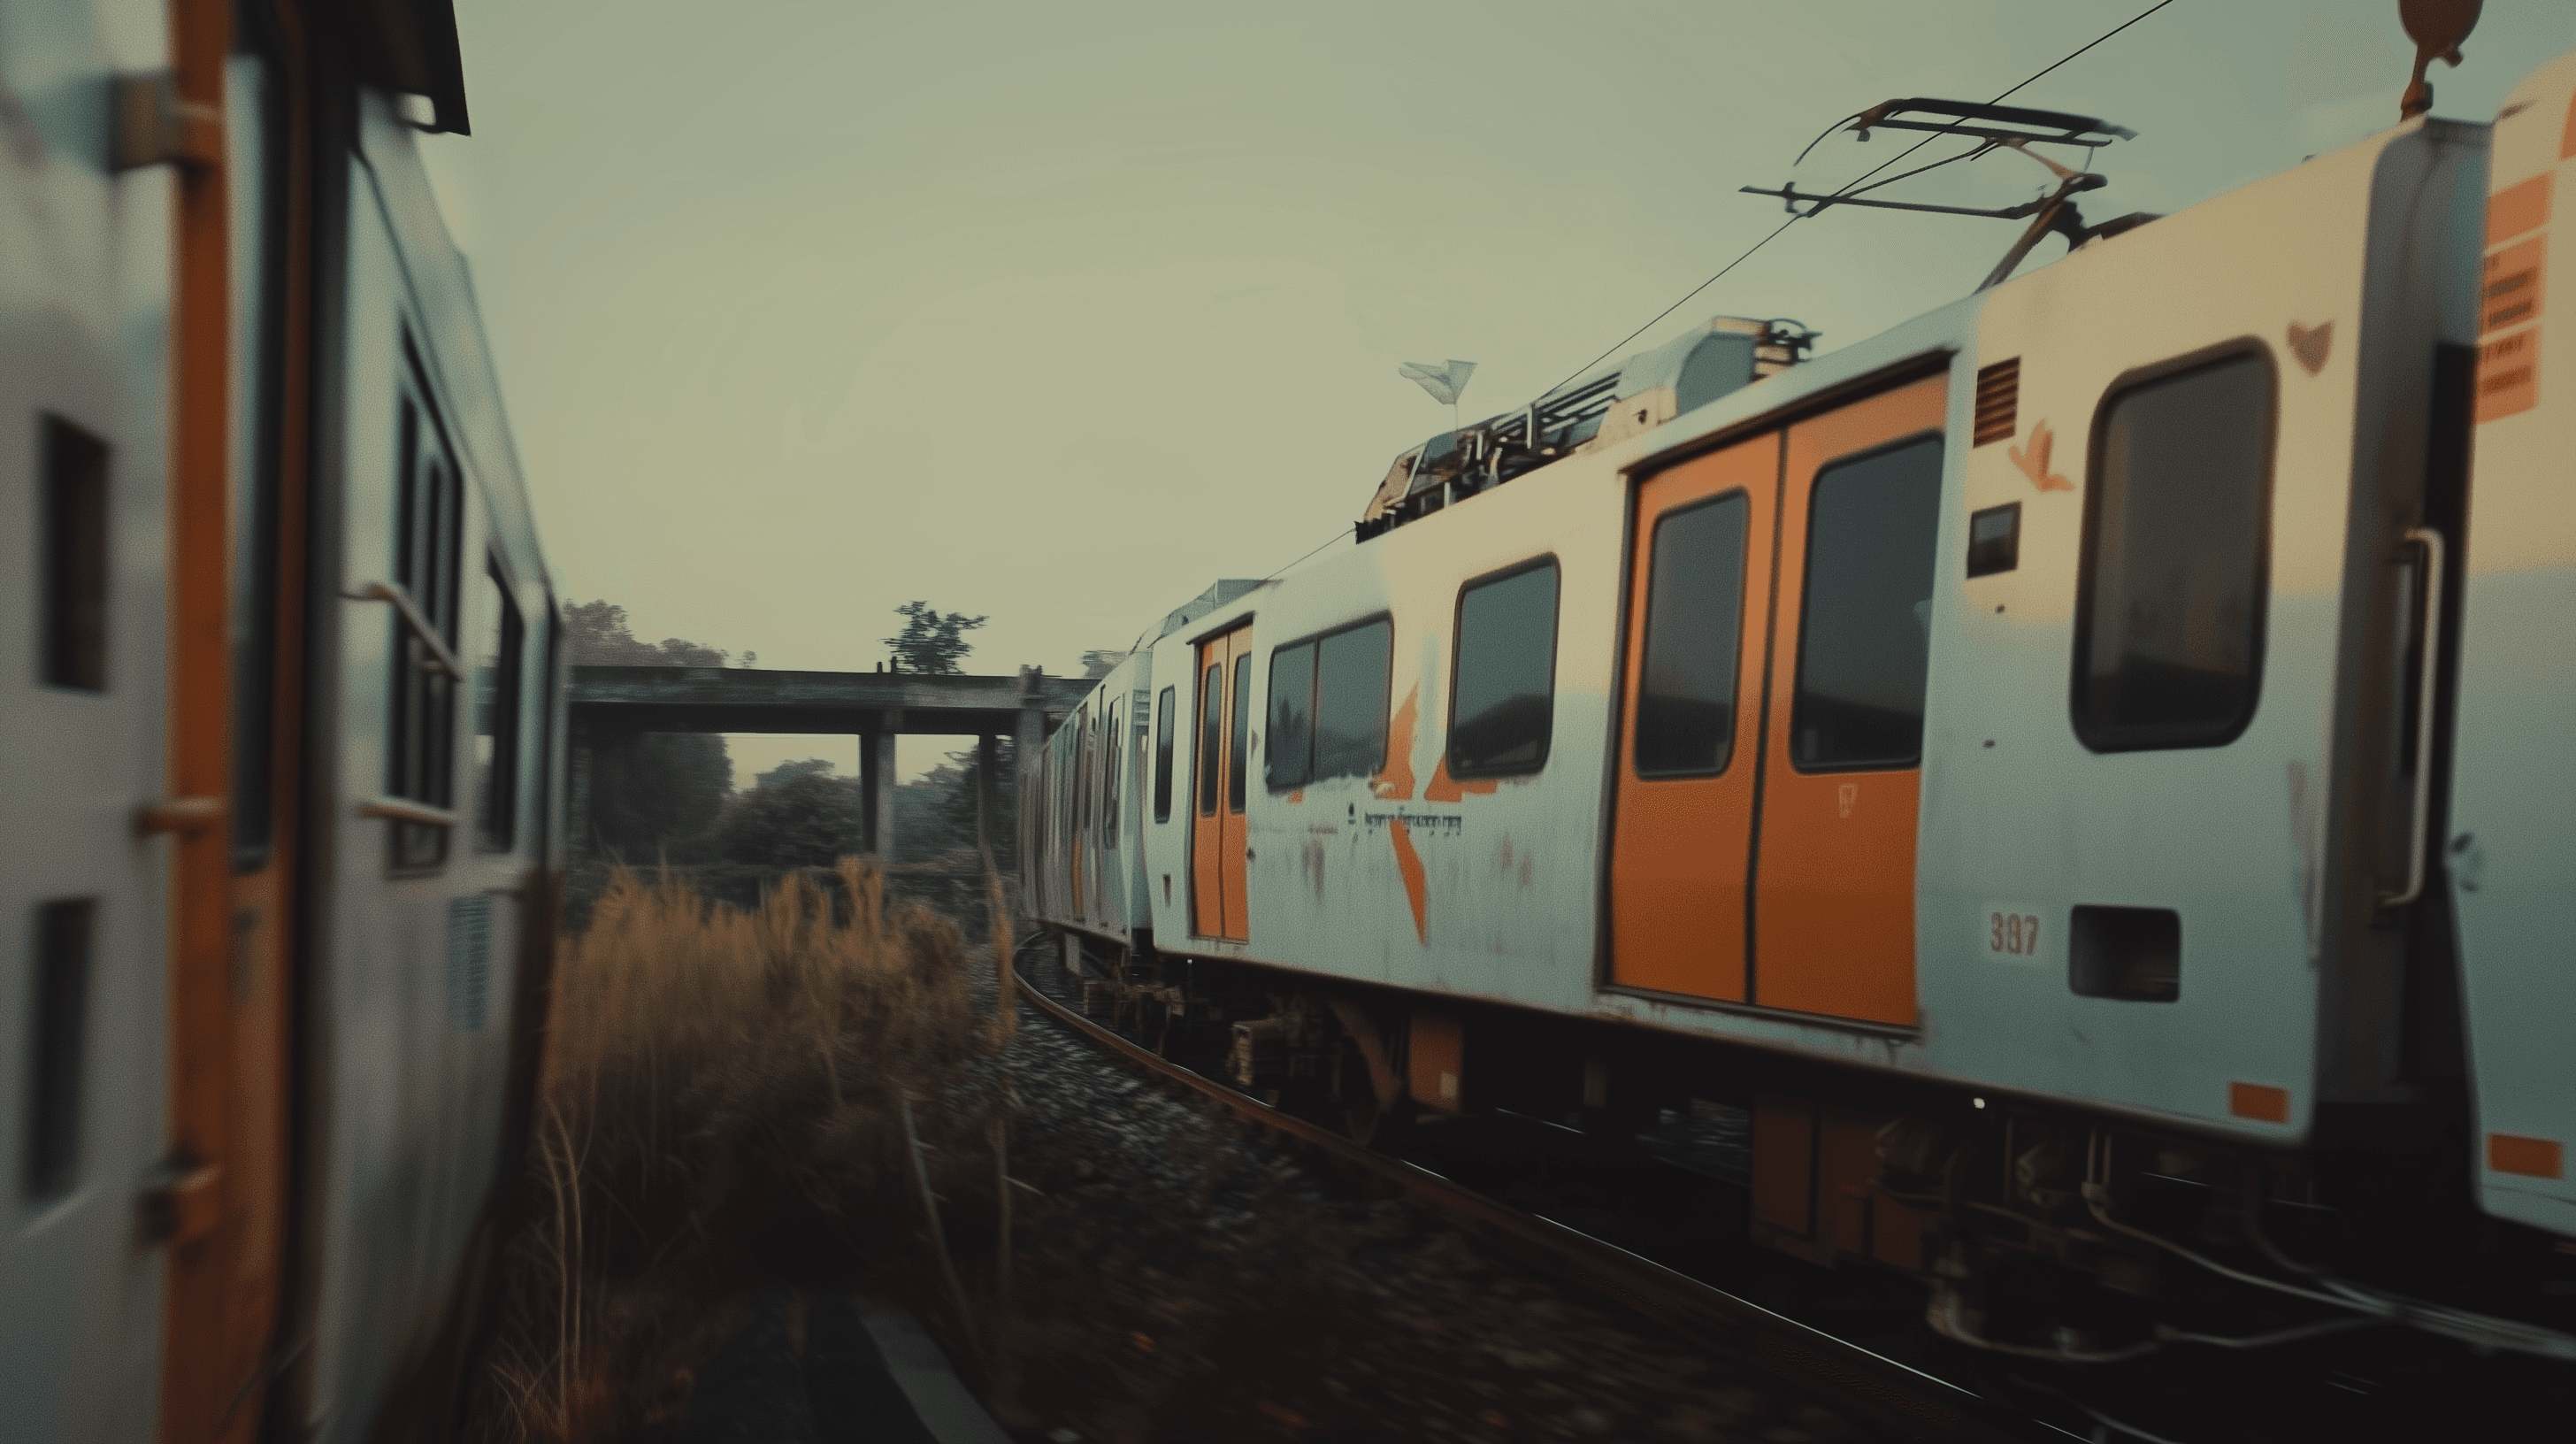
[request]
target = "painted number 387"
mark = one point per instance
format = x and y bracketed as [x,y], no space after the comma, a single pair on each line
[2013,933]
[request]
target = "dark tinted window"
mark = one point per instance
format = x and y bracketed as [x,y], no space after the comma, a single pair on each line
[1242,726]
[1350,700]
[1113,740]
[496,716]
[75,557]
[1694,623]
[1211,735]
[1864,638]
[58,1028]
[429,524]
[1502,696]
[2169,631]
[1163,756]
[1288,749]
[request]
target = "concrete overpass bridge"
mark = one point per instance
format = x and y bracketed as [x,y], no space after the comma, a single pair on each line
[876,707]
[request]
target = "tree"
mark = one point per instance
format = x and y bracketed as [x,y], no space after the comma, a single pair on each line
[799,816]
[653,795]
[1099,663]
[931,643]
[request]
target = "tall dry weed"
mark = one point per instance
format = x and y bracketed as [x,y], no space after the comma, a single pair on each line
[722,1106]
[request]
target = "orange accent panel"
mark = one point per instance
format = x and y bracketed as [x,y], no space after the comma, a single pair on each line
[2260,1102]
[202,1361]
[1784,1143]
[2567,136]
[1394,781]
[2530,1157]
[1436,1060]
[2509,375]
[1444,788]
[1207,893]
[1233,834]
[1680,845]
[1408,865]
[2513,285]
[2518,208]
[1834,895]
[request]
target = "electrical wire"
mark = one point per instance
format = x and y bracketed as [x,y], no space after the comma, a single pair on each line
[1848,189]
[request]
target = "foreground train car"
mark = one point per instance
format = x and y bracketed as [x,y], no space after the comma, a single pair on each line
[2089,755]
[278,666]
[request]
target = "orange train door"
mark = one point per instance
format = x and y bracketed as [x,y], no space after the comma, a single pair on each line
[1216,824]
[1700,585]
[1833,889]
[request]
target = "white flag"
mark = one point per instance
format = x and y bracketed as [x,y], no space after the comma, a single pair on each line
[1443,382]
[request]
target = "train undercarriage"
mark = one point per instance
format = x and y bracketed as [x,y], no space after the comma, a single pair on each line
[2031,1239]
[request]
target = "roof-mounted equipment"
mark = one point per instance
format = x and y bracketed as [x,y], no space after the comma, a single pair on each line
[1601,407]
[2000,127]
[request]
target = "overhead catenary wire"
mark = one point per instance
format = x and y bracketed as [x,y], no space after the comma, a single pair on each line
[1849,188]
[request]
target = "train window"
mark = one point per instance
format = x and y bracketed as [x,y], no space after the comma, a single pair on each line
[1085,739]
[1350,700]
[1242,724]
[1694,637]
[1211,735]
[1163,755]
[57,1030]
[1288,750]
[1864,645]
[75,557]
[1502,689]
[496,715]
[2177,523]
[1113,742]
[1328,706]
[429,522]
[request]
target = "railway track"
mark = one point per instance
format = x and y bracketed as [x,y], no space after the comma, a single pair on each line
[1894,1399]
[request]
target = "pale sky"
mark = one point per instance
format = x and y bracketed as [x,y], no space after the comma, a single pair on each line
[1059,311]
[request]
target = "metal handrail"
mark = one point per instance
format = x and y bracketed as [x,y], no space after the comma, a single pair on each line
[399,809]
[2418,863]
[440,659]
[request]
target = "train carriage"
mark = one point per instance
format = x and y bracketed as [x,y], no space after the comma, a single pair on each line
[2027,736]
[283,703]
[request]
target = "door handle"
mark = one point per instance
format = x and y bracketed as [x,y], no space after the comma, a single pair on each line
[181,1201]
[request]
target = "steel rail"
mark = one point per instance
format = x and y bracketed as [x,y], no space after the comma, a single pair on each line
[1890,1395]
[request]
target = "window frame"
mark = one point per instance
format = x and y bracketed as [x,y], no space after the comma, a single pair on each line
[1164,706]
[496,817]
[2080,644]
[1646,640]
[1314,675]
[1555,634]
[1806,614]
[427,455]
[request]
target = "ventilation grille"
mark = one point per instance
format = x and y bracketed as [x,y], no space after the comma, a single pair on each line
[1998,393]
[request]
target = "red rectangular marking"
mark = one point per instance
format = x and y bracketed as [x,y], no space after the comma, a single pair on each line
[2258,1101]
[2518,208]
[2509,375]
[2529,1157]
[2511,291]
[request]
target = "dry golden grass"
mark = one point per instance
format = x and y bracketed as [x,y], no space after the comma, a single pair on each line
[723,1106]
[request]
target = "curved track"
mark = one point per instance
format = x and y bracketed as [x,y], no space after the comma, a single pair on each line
[1898,1401]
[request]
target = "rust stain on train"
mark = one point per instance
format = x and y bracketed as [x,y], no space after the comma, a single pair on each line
[1409,864]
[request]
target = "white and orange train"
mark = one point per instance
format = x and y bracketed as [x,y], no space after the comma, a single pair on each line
[2089,761]
[278,684]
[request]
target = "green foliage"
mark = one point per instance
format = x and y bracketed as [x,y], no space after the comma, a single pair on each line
[653,795]
[1099,663]
[799,816]
[935,814]
[931,643]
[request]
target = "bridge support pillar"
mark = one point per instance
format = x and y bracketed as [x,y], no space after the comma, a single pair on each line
[877,778]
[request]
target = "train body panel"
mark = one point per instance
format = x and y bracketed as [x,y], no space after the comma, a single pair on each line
[86,295]
[2167,668]
[418,989]
[284,767]
[2511,855]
